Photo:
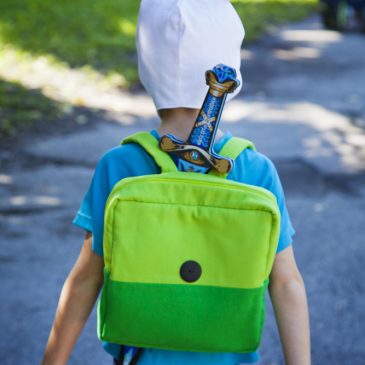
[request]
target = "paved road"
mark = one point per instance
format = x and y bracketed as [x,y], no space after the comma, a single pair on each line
[303,104]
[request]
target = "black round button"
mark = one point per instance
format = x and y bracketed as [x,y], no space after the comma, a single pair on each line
[190,271]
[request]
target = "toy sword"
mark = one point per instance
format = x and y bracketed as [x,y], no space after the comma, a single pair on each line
[197,154]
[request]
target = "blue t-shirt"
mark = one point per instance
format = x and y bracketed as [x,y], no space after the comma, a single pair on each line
[129,160]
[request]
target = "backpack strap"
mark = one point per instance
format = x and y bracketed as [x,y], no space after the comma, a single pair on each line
[232,149]
[150,144]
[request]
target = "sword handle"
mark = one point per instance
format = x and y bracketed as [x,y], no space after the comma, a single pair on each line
[221,81]
[197,154]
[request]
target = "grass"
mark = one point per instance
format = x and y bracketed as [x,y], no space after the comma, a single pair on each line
[99,34]
[21,107]
[95,35]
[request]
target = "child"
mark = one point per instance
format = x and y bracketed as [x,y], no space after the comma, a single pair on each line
[177,41]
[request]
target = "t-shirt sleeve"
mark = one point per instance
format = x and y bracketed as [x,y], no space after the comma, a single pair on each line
[90,215]
[272,182]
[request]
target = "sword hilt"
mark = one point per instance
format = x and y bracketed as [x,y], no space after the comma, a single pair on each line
[197,154]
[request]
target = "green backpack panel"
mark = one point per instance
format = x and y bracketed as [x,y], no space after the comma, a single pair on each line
[187,258]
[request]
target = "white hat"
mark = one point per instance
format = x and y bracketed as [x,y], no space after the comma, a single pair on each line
[178,40]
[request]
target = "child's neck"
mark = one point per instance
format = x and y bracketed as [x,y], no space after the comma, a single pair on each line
[179,122]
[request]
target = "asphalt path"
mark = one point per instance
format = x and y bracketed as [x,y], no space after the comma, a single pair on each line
[303,104]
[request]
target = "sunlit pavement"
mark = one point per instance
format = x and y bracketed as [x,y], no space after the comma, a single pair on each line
[303,105]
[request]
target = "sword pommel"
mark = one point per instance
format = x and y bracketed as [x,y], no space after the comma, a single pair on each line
[221,80]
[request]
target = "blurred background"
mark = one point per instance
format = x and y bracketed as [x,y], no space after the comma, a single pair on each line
[69,91]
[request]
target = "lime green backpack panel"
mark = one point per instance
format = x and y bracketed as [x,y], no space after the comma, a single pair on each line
[156,223]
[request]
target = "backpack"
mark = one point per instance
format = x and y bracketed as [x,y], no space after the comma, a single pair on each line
[187,258]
